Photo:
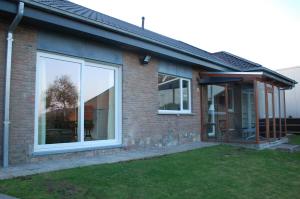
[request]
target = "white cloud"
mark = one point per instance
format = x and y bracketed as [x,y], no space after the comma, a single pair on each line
[266,32]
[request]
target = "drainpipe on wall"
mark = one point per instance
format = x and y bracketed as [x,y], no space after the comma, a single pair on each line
[6,122]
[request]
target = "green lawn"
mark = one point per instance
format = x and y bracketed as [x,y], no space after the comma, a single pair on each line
[294,139]
[210,173]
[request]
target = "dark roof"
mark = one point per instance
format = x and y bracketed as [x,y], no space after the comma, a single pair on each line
[237,61]
[75,9]
[247,65]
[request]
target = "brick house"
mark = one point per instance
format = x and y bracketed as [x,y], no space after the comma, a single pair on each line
[82,84]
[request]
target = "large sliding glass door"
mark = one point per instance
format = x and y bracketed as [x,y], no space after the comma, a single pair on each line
[77,104]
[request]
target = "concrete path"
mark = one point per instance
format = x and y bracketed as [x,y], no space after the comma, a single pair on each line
[2,196]
[287,147]
[53,165]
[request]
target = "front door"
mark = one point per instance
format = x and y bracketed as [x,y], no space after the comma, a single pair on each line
[215,107]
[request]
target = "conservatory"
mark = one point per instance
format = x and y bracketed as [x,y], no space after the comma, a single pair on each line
[243,107]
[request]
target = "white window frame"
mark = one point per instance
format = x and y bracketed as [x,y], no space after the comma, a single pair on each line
[181,111]
[80,144]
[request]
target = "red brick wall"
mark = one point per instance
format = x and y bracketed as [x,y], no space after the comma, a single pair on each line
[142,125]
[22,94]
[2,71]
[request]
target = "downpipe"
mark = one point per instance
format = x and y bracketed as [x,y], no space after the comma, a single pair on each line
[9,49]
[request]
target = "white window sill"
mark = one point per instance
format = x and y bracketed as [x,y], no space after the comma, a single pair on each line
[174,113]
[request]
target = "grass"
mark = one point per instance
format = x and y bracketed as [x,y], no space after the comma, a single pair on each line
[294,139]
[210,173]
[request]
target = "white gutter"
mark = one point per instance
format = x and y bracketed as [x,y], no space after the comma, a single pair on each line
[232,73]
[6,121]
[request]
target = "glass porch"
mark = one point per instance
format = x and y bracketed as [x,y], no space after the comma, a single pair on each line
[241,109]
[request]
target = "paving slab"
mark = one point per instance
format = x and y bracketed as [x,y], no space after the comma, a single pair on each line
[54,165]
[2,196]
[287,147]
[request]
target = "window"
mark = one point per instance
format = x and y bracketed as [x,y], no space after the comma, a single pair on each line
[174,94]
[77,104]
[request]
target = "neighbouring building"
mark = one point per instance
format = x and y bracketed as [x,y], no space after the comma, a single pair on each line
[292,97]
[78,83]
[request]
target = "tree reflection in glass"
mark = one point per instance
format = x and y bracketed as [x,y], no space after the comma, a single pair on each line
[59,99]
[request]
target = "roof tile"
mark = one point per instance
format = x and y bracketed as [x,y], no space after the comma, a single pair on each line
[237,61]
[87,13]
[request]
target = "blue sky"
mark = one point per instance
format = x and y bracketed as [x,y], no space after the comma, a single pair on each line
[264,31]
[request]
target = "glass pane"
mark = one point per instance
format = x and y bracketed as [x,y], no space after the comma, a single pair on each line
[58,101]
[216,112]
[241,121]
[99,103]
[269,86]
[185,94]
[282,111]
[248,113]
[230,99]
[277,110]
[270,114]
[169,92]
[262,110]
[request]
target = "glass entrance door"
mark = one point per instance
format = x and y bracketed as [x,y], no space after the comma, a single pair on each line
[216,124]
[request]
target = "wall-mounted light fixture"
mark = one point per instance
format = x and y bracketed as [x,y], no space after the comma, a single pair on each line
[145,59]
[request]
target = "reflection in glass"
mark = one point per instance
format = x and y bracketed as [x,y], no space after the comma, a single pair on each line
[169,92]
[282,112]
[99,103]
[241,115]
[216,108]
[270,114]
[230,99]
[235,124]
[185,94]
[262,109]
[277,110]
[58,101]
[248,113]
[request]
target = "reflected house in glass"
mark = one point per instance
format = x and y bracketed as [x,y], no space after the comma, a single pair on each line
[84,83]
